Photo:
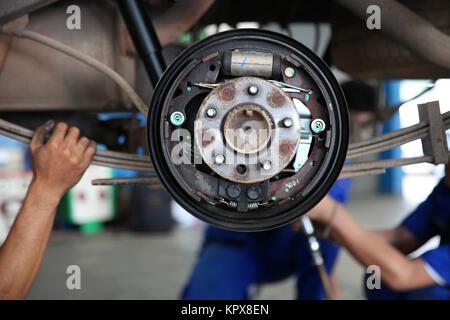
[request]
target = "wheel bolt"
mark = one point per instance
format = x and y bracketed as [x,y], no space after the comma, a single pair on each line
[253,90]
[267,165]
[318,125]
[219,159]
[177,118]
[211,112]
[289,72]
[287,122]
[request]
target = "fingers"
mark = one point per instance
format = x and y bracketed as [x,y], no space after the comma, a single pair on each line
[66,136]
[81,146]
[58,134]
[72,138]
[40,134]
[90,150]
[49,126]
[89,153]
[80,150]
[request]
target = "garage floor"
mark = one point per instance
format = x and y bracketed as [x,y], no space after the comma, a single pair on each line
[136,266]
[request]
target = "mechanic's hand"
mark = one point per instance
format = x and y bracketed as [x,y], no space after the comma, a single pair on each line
[60,163]
[323,211]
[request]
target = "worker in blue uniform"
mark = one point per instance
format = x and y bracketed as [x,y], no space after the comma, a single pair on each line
[402,277]
[230,263]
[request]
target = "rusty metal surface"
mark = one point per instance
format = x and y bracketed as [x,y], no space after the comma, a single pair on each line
[263,114]
[361,173]
[112,159]
[127,181]
[11,9]
[35,77]
[384,164]
[202,185]
[435,144]
[290,186]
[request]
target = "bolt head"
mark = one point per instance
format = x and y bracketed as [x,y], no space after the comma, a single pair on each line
[267,165]
[211,112]
[219,159]
[287,122]
[318,125]
[289,72]
[177,118]
[253,90]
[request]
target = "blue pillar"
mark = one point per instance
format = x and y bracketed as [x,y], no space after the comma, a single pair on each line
[391,182]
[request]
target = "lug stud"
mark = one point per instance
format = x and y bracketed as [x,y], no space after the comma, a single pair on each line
[253,90]
[211,112]
[267,165]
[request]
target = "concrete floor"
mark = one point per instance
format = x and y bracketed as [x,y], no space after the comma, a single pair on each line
[136,266]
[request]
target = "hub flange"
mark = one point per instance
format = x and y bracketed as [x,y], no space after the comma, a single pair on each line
[248,129]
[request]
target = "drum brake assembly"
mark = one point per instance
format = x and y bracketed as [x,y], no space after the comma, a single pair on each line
[248,130]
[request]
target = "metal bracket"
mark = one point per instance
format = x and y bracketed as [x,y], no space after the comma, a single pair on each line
[435,144]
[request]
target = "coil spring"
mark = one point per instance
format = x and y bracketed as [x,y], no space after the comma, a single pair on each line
[232,204]
[253,206]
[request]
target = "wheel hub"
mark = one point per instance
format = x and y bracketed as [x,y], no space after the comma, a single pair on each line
[248,130]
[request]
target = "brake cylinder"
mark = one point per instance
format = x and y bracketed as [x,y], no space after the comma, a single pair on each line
[240,63]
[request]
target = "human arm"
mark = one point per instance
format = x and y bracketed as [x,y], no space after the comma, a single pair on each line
[387,249]
[400,238]
[57,166]
[397,271]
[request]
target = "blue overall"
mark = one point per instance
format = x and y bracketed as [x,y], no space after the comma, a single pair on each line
[431,218]
[231,262]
